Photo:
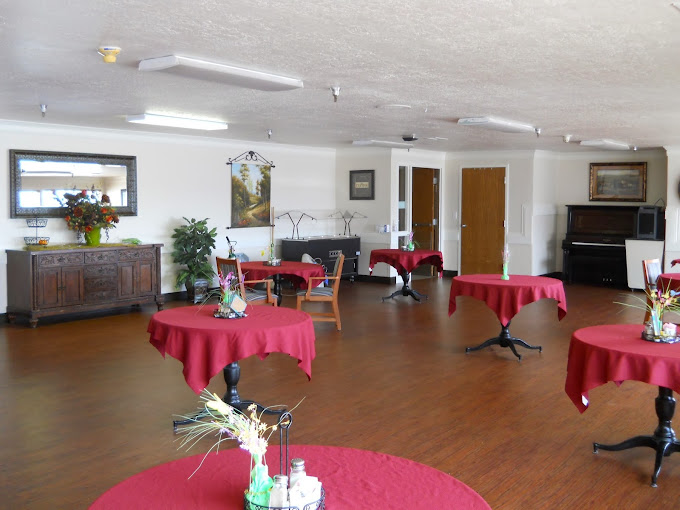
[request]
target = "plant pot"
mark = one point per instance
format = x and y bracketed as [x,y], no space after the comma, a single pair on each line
[198,291]
[93,237]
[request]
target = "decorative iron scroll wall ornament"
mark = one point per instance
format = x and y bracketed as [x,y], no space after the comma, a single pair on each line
[253,157]
[250,190]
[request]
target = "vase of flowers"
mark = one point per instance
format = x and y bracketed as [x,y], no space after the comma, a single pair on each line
[505,255]
[229,423]
[87,213]
[656,303]
[229,288]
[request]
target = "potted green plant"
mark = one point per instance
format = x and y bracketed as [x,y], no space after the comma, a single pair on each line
[193,244]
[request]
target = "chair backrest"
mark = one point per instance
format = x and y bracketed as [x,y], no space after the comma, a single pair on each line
[224,266]
[337,271]
[651,269]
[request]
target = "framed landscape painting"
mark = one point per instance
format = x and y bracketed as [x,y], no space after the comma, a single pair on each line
[250,195]
[618,182]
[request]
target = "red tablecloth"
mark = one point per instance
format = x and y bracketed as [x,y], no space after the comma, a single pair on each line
[507,297]
[668,281]
[205,344]
[353,480]
[297,272]
[600,354]
[406,261]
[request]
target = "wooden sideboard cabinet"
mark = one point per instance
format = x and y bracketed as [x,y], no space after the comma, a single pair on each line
[44,283]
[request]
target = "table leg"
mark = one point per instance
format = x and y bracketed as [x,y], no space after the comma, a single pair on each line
[232,374]
[406,290]
[277,288]
[663,440]
[504,339]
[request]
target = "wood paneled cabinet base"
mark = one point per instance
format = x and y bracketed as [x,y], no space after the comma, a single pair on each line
[61,282]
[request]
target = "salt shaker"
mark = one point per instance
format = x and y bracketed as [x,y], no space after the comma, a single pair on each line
[297,471]
[278,496]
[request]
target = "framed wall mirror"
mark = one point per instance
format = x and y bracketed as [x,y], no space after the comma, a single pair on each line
[38,177]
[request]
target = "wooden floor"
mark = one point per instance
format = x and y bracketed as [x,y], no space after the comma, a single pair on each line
[87,403]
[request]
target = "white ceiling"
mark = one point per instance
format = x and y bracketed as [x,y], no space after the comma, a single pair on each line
[589,68]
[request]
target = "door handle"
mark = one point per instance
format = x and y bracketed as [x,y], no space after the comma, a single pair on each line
[463,226]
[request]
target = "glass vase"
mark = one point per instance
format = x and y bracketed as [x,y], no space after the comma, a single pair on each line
[260,482]
[505,275]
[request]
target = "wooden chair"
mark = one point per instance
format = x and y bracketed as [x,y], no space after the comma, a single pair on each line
[651,270]
[324,294]
[250,295]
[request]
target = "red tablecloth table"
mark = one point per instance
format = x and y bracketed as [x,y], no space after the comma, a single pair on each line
[205,344]
[353,480]
[600,354]
[668,281]
[506,298]
[405,262]
[297,272]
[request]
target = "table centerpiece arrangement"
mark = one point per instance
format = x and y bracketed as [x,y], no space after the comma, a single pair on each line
[657,302]
[229,423]
[231,304]
[88,214]
[505,256]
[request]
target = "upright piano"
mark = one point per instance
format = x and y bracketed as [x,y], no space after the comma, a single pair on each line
[594,249]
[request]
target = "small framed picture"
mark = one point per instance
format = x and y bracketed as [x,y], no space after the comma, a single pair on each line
[361,184]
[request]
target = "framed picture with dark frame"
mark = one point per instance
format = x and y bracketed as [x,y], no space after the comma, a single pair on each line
[362,184]
[618,182]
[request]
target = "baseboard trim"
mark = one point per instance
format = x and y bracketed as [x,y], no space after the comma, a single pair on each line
[376,279]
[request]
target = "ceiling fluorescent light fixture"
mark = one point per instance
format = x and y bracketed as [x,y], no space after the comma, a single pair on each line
[177,122]
[606,144]
[495,123]
[238,76]
[382,143]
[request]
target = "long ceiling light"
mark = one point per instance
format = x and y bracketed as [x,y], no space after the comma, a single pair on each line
[495,123]
[238,76]
[177,122]
[382,143]
[606,144]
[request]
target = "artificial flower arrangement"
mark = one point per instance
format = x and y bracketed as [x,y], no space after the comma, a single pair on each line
[85,212]
[229,291]
[657,302]
[411,244]
[505,256]
[228,423]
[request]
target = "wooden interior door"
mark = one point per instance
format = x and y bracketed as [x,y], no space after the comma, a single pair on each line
[482,220]
[425,211]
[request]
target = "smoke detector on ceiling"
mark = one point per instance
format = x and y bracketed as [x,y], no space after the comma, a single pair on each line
[109,53]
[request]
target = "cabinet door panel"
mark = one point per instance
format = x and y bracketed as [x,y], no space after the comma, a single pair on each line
[72,286]
[48,288]
[127,274]
[147,277]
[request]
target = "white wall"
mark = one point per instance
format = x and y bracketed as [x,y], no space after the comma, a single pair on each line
[177,176]
[376,211]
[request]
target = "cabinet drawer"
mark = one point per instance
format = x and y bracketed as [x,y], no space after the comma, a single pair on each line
[60,259]
[138,254]
[101,257]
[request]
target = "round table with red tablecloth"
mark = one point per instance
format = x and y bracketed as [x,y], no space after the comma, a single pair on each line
[352,480]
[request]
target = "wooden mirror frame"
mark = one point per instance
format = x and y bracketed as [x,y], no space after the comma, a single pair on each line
[15,156]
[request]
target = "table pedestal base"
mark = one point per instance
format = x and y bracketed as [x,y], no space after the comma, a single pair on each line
[406,290]
[663,440]
[232,373]
[504,339]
